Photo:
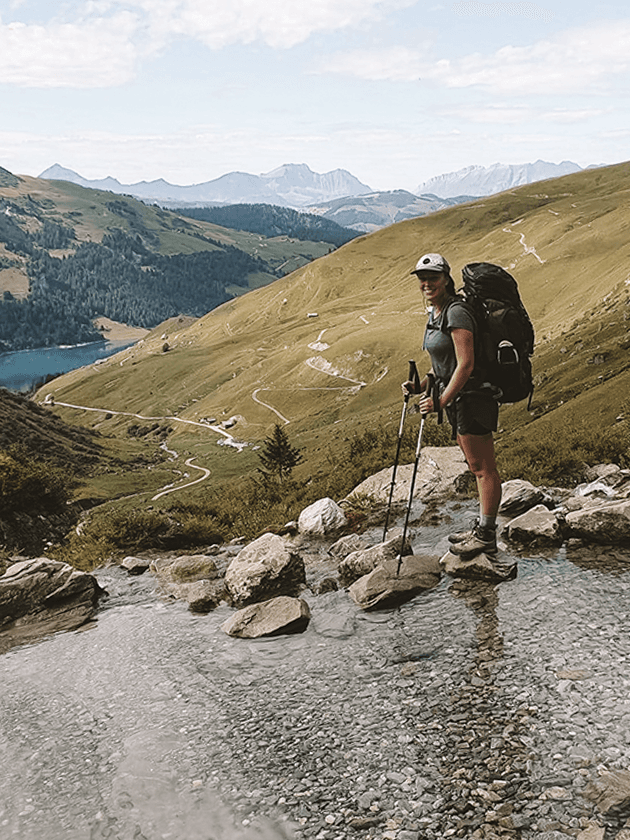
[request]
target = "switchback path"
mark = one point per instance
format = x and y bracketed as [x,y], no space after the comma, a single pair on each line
[171,418]
[189,463]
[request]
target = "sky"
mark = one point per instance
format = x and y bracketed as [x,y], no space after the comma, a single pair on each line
[394,91]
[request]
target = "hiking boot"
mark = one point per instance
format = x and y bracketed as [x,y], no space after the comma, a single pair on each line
[481,541]
[460,536]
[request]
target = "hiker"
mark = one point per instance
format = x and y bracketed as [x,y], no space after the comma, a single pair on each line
[471,405]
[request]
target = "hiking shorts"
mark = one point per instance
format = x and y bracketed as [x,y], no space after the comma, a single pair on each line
[473,413]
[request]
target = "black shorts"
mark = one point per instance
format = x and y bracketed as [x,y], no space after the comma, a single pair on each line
[473,413]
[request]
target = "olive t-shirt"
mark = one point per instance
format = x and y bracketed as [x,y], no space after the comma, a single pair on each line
[438,342]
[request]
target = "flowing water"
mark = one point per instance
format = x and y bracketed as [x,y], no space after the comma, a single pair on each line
[126,729]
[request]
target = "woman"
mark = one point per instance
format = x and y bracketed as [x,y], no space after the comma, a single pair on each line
[470,403]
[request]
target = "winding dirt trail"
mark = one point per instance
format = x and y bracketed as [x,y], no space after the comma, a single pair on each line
[173,489]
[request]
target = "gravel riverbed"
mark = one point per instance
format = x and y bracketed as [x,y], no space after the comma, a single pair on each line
[473,711]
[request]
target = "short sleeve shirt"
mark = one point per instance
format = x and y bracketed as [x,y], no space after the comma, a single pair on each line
[438,342]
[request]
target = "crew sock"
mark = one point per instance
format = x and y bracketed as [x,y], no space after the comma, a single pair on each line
[486,521]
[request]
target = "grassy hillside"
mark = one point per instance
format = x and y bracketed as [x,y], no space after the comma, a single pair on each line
[70,254]
[324,350]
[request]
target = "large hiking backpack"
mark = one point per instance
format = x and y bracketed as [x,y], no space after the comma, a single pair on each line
[506,335]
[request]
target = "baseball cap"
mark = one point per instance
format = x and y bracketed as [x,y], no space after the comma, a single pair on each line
[432,262]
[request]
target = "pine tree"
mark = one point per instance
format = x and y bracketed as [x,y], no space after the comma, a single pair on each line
[278,457]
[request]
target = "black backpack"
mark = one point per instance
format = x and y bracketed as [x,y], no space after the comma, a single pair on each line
[506,335]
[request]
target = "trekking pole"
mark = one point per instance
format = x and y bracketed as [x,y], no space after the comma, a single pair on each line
[430,392]
[413,377]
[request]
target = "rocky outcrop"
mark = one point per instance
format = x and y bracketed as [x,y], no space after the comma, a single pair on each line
[386,586]
[41,596]
[263,569]
[277,616]
[441,470]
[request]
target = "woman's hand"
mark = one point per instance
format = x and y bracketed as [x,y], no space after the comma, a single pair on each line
[408,388]
[427,406]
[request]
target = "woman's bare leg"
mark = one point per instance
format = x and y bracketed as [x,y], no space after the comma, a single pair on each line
[479,453]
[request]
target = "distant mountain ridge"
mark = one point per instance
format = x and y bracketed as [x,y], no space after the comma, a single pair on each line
[337,195]
[372,211]
[290,185]
[487,180]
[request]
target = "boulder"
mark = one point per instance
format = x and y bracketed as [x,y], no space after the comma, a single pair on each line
[40,596]
[322,518]
[607,522]
[277,616]
[263,569]
[384,587]
[441,470]
[518,495]
[481,567]
[538,525]
[360,563]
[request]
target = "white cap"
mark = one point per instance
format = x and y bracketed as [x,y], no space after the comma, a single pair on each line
[432,262]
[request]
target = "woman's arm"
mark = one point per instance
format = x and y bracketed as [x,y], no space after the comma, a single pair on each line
[464,344]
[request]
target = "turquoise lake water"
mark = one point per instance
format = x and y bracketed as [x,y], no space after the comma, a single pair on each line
[23,370]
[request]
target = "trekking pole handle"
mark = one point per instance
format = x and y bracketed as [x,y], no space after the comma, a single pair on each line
[431,389]
[414,376]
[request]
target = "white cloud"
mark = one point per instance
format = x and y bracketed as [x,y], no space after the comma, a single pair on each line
[97,53]
[277,23]
[100,42]
[493,10]
[581,60]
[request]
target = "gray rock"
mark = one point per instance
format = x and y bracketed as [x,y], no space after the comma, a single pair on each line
[593,832]
[191,578]
[384,587]
[263,569]
[603,523]
[360,563]
[610,790]
[440,470]
[186,569]
[277,616]
[538,525]
[203,595]
[518,495]
[40,596]
[481,567]
[135,565]
[321,518]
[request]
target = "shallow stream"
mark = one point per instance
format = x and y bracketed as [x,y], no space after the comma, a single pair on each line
[151,723]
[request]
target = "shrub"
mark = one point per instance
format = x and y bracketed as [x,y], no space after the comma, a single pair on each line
[542,456]
[28,485]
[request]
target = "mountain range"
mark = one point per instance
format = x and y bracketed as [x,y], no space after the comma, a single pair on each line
[337,195]
[487,180]
[291,185]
